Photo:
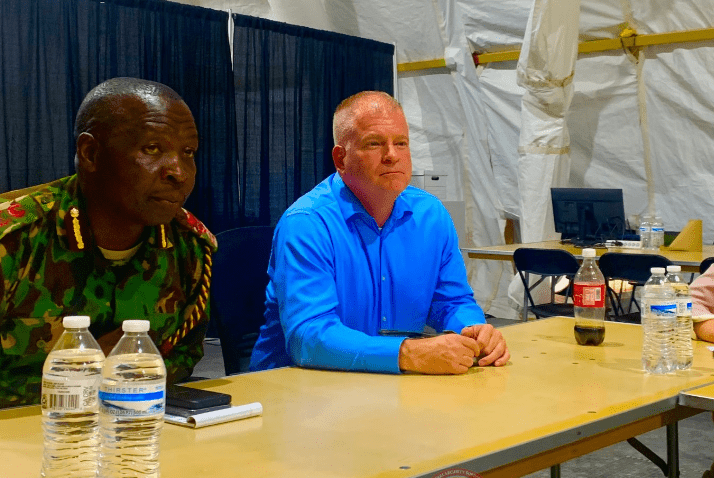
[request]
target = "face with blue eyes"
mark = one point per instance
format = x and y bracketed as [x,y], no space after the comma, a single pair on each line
[141,172]
[373,158]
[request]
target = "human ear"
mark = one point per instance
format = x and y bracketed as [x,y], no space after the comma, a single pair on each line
[87,152]
[338,157]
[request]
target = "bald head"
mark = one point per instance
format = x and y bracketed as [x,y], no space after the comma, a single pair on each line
[135,148]
[104,106]
[343,121]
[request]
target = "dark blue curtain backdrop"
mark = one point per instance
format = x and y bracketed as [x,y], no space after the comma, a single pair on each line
[288,82]
[261,146]
[52,52]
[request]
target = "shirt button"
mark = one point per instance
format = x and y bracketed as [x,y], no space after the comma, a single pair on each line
[384,319]
[384,278]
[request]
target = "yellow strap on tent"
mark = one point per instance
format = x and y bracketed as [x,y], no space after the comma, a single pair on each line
[421,65]
[628,41]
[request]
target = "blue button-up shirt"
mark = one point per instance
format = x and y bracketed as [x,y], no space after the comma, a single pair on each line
[336,279]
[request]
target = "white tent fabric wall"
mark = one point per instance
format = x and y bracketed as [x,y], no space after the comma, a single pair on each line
[466,121]
[485,222]
[606,143]
[545,71]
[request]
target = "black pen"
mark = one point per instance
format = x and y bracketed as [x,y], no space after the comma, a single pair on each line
[411,334]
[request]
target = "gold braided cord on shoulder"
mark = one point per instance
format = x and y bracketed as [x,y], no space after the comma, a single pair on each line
[198,314]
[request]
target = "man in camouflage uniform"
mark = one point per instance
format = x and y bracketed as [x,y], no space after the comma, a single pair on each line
[111,242]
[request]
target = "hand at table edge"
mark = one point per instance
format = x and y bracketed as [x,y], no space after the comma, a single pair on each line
[447,354]
[491,343]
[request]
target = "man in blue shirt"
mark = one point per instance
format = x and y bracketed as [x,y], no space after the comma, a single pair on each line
[364,253]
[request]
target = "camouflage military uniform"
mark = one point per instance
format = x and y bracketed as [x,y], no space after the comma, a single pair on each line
[50,268]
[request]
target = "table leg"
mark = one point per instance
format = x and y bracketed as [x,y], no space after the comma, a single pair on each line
[670,468]
[672,450]
[525,298]
[555,471]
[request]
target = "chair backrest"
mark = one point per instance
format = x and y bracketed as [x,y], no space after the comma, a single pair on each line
[630,267]
[545,262]
[239,279]
[705,264]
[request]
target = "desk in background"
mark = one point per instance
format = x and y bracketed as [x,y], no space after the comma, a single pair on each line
[553,402]
[688,260]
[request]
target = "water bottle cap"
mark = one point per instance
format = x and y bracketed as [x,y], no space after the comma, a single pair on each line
[135,325]
[589,252]
[674,268]
[75,321]
[657,270]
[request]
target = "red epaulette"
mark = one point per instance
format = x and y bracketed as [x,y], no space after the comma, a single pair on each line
[191,222]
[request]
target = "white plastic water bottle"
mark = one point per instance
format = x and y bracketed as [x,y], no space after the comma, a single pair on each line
[659,316]
[683,339]
[132,397]
[657,233]
[70,380]
[589,301]
[646,232]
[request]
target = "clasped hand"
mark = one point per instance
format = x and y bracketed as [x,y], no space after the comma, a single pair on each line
[455,353]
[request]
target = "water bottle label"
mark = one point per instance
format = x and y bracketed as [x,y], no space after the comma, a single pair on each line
[664,309]
[644,229]
[69,396]
[131,399]
[684,308]
[589,295]
[657,229]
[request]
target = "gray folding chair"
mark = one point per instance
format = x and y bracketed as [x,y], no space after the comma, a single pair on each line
[549,264]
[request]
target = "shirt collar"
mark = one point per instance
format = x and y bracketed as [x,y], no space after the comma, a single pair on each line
[73,225]
[351,207]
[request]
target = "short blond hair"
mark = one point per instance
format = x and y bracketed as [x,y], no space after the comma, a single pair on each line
[343,119]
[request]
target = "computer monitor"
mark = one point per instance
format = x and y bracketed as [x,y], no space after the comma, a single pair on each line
[588,215]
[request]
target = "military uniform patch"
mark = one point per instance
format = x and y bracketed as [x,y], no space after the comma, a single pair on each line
[18,213]
[190,221]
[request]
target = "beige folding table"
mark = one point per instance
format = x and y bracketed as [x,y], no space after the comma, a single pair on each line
[554,401]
